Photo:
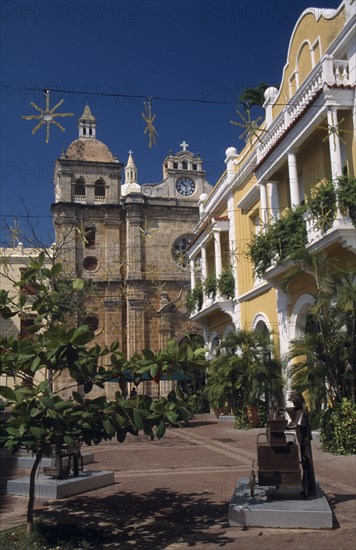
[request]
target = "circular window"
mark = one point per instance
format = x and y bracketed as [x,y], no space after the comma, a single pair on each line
[179,250]
[93,322]
[90,263]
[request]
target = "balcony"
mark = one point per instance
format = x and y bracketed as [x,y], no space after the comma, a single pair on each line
[80,198]
[330,72]
[211,305]
[212,295]
[323,233]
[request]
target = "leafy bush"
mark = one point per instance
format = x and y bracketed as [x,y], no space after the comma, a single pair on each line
[338,429]
[210,286]
[285,238]
[260,252]
[347,196]
[322,203]
[226,284]
[194,300]
[242,421]
[198,404]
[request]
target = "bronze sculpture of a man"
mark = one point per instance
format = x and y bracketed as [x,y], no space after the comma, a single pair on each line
[300,422]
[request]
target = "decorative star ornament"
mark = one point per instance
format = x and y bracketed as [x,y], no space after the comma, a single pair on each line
[149,119]
[181,258]
[147,230]
[159,287]
[47,115]
[335,130]
[14,232]
[82,233]
[324,219]
[149,308]
[251,126]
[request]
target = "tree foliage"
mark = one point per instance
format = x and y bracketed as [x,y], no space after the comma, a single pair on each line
[251,97]
[41,416]
[242,375]
[284,238]
[323,356]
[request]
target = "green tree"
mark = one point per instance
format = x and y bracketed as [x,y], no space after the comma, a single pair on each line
[42,418]
[324,354]
[251,97]
[242,375]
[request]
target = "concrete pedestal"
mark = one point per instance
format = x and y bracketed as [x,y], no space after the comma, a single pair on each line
[281,508]
[26,461]
[47,488]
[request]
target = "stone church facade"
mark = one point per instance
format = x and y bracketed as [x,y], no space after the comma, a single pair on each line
[129,239]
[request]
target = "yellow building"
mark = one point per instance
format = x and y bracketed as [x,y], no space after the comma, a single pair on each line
[13,260]
[307,137]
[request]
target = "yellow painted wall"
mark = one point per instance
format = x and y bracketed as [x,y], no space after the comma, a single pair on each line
[266,304]
[313,160]
[304,62]
[307,31]
[218,322]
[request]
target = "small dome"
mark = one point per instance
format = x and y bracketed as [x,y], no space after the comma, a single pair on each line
[89,150]
[231,152]
[271,93]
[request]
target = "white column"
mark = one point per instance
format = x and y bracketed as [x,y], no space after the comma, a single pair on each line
[217,253]
[293,179]
[233,257]
[272,189]
[204,267]
[334,145]
[335,152]
[192,273]
[263,203]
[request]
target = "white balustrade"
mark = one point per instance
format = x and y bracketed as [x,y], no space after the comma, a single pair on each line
[80,198]
[341,71]
[314,232]
[274,132]
[304,94]
[330,71]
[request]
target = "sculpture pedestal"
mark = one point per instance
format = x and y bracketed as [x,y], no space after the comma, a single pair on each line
[282,508]
[26,461]
[47,488]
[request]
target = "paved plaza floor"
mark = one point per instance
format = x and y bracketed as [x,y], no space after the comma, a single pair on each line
[174,494]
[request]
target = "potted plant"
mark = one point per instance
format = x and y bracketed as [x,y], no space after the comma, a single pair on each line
[210,286]
[194,299]
[242,378]
[226,284]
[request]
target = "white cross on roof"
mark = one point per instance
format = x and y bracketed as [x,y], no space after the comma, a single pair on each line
[184,145]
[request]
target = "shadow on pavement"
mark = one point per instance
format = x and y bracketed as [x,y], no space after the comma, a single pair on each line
[150,520]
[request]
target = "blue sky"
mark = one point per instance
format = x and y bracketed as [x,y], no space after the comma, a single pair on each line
[200,49]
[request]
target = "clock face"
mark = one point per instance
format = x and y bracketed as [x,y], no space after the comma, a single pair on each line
[185,187]
[146,190]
